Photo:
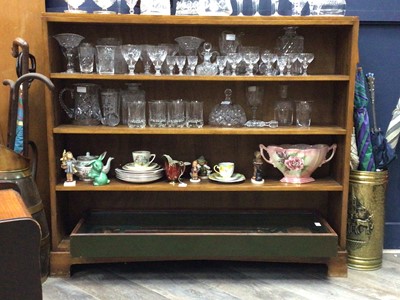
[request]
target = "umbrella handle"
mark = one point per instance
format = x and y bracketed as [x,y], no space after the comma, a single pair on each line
[371,86]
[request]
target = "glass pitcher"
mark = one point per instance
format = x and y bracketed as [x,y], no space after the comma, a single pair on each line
[86,109]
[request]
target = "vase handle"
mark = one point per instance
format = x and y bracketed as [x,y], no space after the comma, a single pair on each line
[333,148]
[262,149]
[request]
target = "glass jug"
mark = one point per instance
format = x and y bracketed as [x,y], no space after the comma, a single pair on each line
[86,109]
[214,8]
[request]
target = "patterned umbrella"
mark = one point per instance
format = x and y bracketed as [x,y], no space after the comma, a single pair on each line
[362,125]
[383,153]
[393,131]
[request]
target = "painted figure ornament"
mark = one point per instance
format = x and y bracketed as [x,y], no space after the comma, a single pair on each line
[204,169]
[257,165]
[194,174]
[68,164]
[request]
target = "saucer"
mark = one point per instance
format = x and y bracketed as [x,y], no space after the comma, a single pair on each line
[131,167]
[236,177]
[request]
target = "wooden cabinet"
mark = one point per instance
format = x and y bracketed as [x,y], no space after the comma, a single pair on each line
[330,86]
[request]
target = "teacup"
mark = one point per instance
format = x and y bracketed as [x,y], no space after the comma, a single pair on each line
[225,169]
[142,158]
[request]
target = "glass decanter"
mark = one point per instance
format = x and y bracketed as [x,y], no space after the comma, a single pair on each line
[291,42]
[207,67]
[283,111]
[227,114]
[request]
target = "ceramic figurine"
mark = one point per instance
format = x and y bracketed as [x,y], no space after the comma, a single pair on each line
[194,174]
[97,172]
[68,164]
[204,169]
[257,165]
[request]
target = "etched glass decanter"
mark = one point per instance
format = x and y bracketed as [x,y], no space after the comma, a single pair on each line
[207,67]
[291,42]
[227,114]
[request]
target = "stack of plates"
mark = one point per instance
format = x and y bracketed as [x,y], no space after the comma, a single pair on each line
[130,173]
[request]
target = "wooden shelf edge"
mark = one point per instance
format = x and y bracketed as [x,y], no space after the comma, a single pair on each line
[206,130]
[201,20]
[319,185]
[197,78]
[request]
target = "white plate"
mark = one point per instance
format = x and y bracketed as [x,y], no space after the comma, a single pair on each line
[236,177]
[131,167]
[139,180]
[149,172]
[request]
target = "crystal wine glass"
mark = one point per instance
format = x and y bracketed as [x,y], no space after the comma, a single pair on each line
[251,55]
[254,97]
[291,59]
[68,43]
[239,4]
[234,59]
[131,4]
[144,57]
[268,59]
[73,6]
[298,7]
[275,7]
[192,61]
[305,59]
[180,62]
[281,62]
[255,7]
[104,4]
[157,56]
[221,63]
[171,62]
[131,54]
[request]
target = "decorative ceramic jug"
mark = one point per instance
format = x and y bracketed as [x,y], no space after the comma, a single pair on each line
[174,169]
[297,162]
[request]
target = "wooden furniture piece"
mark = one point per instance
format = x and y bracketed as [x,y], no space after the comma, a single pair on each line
[20,276]
[330,86]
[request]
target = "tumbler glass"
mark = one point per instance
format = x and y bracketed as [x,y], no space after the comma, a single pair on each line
[176,113]
[157,113]
[303,113]
[194,114]
[136,114]
[110,107]
[86,57]
[106,58]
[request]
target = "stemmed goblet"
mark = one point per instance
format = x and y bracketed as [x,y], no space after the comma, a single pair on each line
[192,61]
[234,59]
[239,6]
[291,59]
[104,4]
[157,56]
[131,54]
[255,7]
[180,62]
[254,97]
[131,4]
[268,59]
[251,55]
[144,57]
[281,62]
[73,6]
[68,43]
[298,7]
[275,7]
[305,59]
[221,63]
[171,62]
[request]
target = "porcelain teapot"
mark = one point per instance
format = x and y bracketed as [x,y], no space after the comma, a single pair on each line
[174,169]
[83,165]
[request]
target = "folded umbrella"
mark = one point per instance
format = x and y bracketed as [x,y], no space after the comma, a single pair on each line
[362,125]
[393,130]
[383,153]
